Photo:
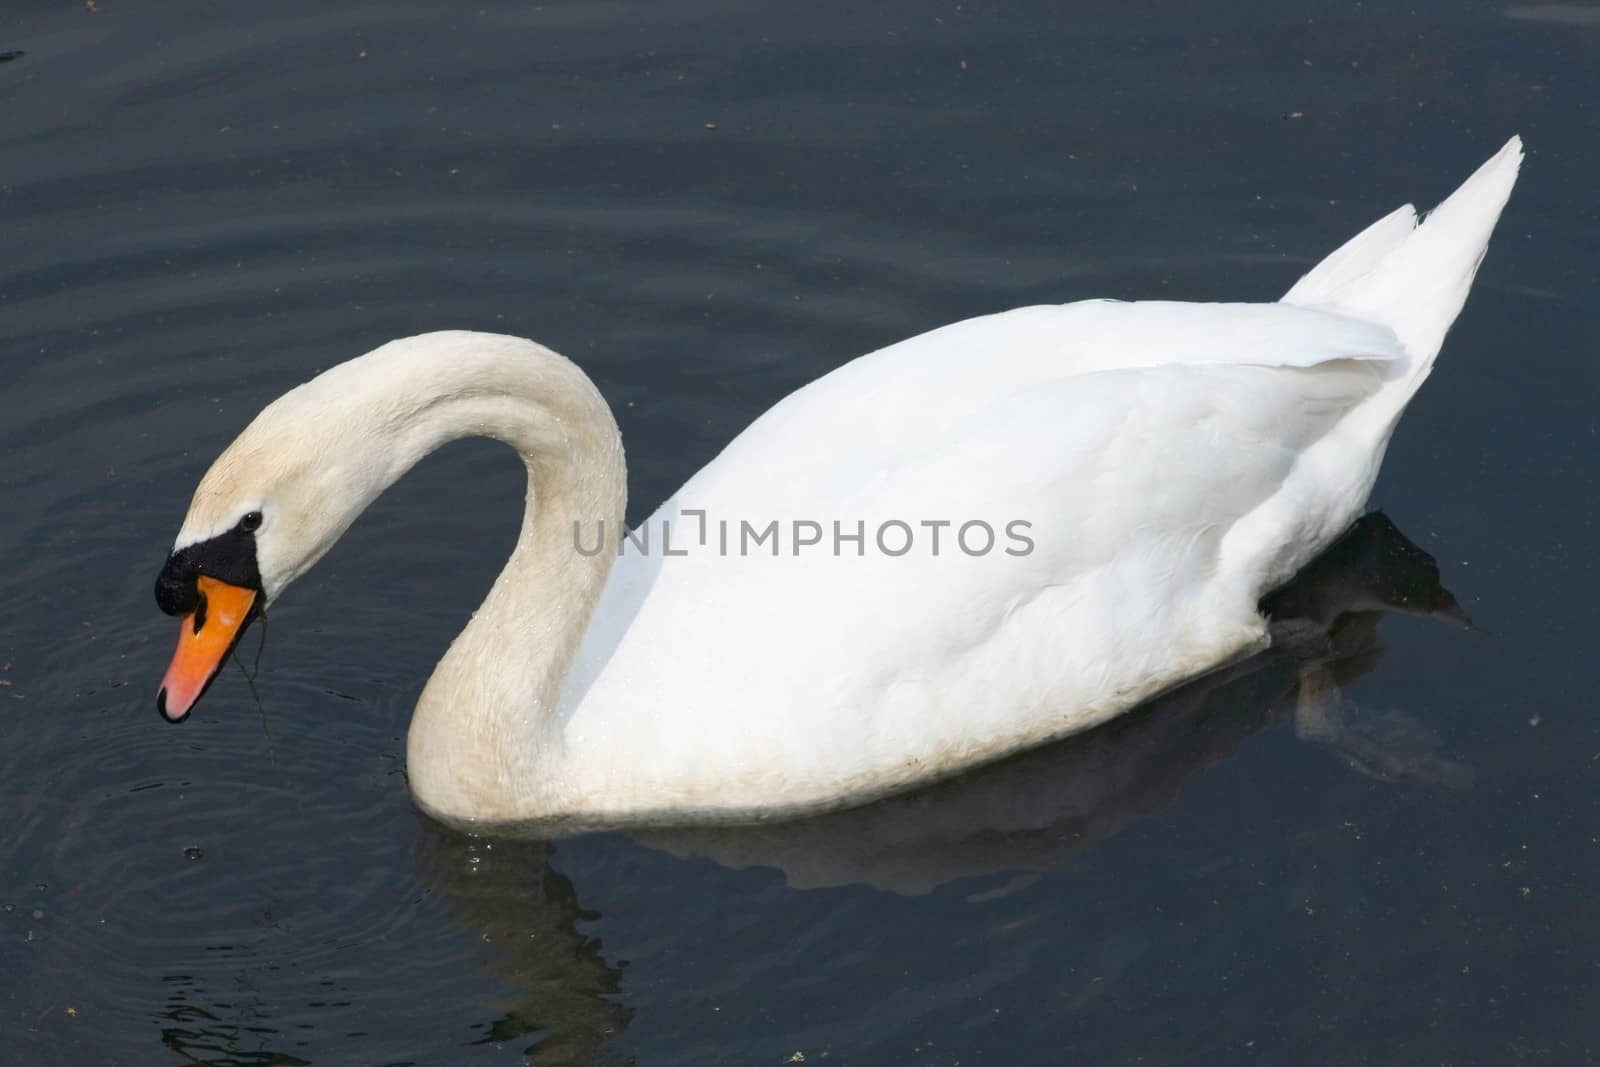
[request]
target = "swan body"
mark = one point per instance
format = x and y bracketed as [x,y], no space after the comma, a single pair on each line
[1145,473]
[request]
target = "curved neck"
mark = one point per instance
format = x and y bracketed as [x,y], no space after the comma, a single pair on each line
[484,742]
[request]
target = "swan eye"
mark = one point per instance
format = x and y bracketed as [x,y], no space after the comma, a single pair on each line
[251,521]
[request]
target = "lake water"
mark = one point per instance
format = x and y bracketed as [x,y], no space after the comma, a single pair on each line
[707,204]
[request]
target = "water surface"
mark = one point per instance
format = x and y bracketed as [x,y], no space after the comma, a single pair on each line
[707,204]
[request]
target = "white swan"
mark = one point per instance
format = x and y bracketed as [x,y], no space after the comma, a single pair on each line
[1148,471]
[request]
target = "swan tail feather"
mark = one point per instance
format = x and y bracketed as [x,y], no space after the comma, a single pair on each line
[1414,278]
[1353,259]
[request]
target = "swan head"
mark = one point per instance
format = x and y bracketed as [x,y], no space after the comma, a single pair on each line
[290,485]
[270,506]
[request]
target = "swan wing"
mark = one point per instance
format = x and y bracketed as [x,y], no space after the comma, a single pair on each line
[899,402]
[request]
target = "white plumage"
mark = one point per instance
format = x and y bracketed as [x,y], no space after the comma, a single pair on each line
[1170,463]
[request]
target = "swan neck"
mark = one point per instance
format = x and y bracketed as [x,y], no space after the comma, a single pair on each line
[485,742]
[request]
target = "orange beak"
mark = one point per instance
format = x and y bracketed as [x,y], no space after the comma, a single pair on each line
[206,637]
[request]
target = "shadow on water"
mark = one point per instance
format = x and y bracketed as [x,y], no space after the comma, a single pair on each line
[1031,813]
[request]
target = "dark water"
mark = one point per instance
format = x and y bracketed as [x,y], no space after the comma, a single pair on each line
[706,204]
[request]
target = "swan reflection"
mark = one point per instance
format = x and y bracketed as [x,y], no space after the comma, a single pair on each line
[506,894]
